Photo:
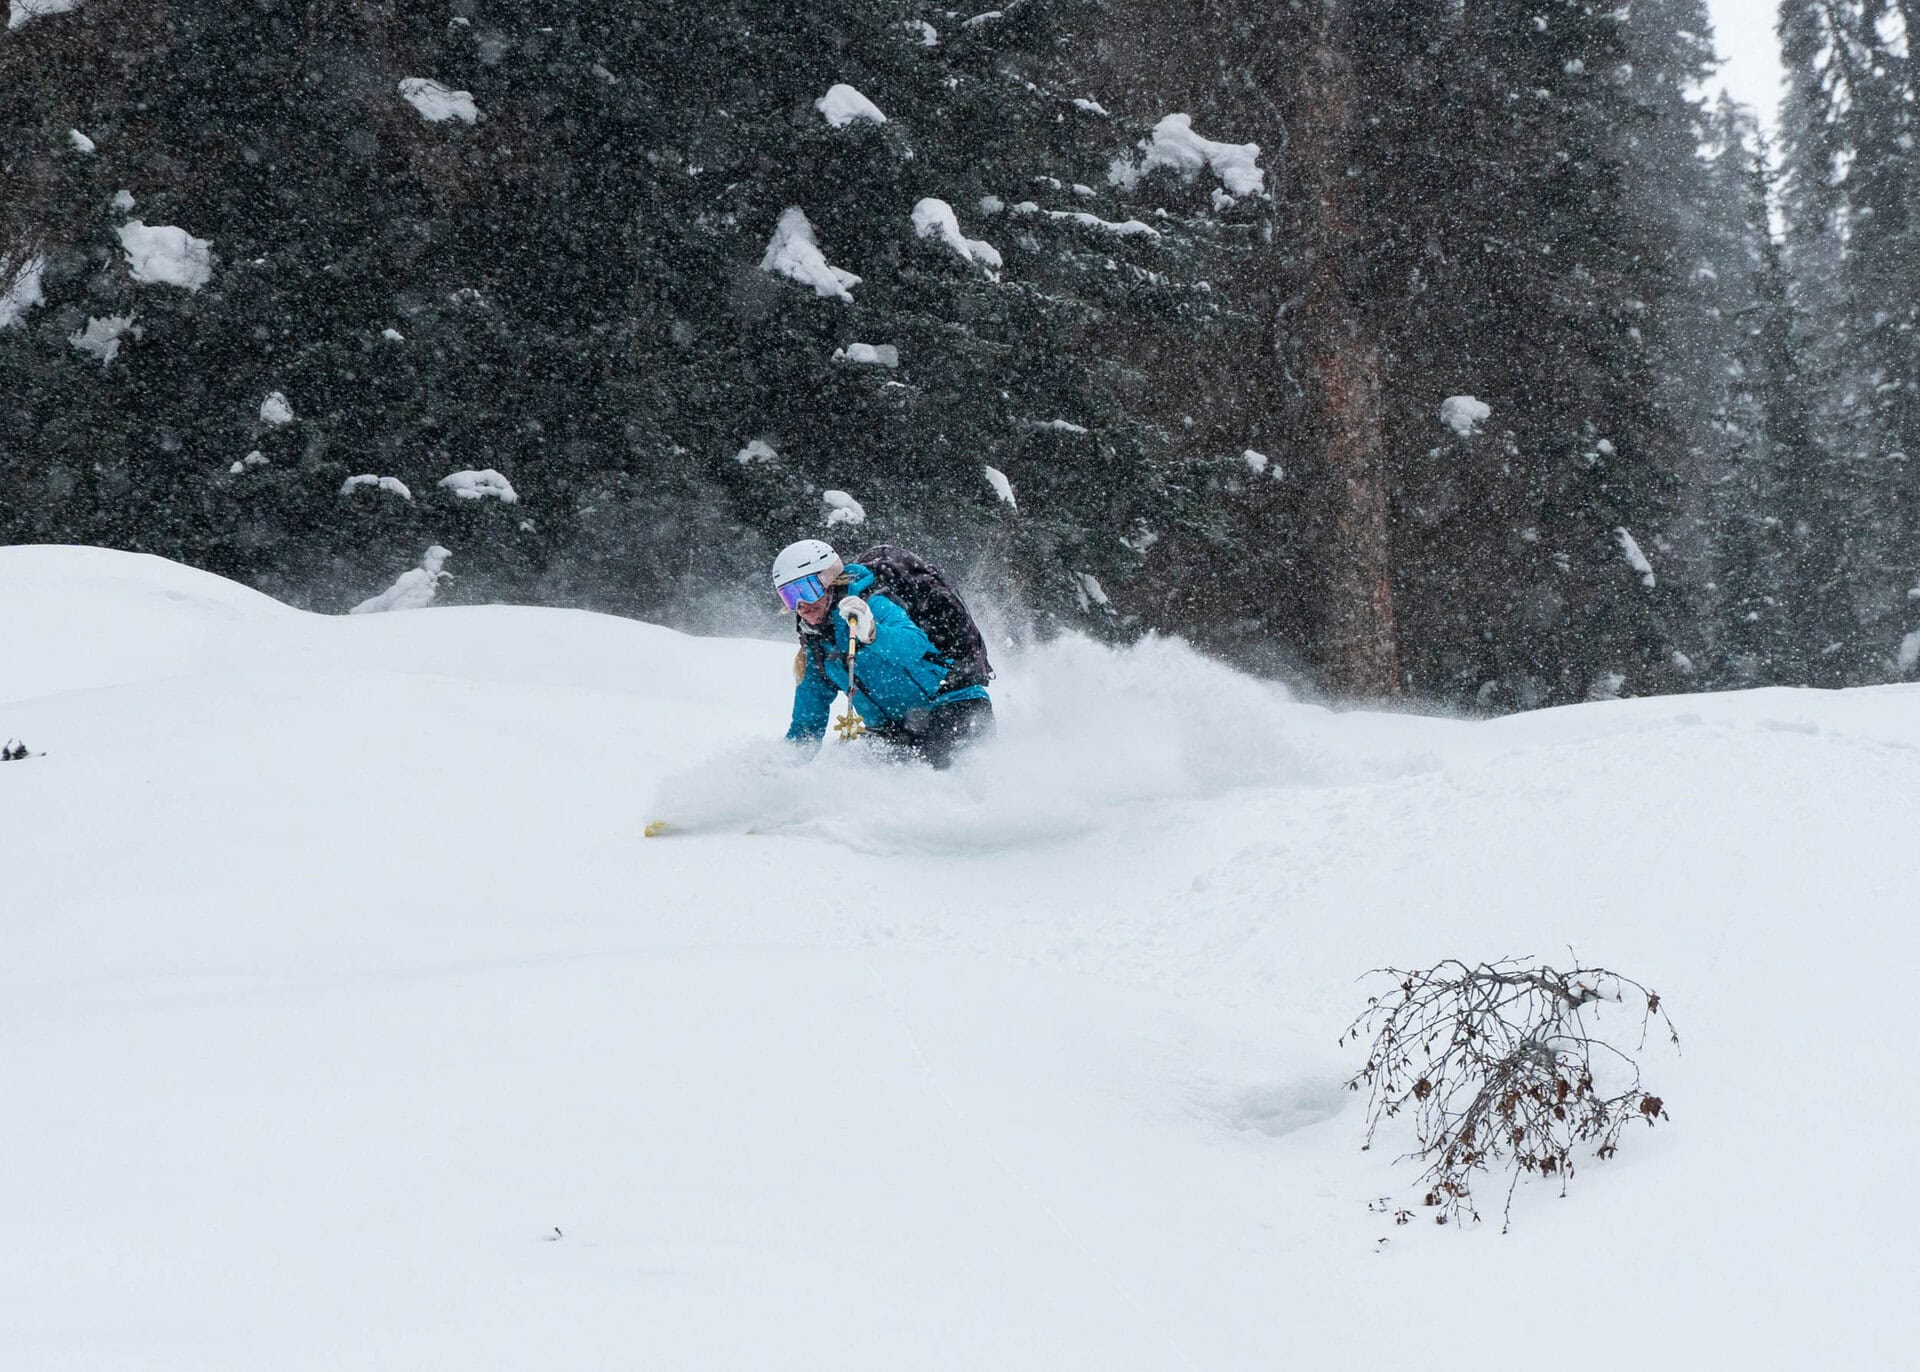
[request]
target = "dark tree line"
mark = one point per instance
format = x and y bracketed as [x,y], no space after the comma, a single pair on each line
[1505,371]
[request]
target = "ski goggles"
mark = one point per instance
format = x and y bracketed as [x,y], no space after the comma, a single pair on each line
[804,591]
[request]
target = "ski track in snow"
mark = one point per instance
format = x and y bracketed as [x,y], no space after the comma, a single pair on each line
[335,977]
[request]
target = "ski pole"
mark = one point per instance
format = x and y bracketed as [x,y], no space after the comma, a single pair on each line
[850,725]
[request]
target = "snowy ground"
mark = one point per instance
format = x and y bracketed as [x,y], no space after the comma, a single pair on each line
[347,1021]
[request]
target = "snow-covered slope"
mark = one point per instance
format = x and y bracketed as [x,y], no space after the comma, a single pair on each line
[347,1021]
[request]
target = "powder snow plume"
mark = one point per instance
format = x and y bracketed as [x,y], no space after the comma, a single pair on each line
[1086,731]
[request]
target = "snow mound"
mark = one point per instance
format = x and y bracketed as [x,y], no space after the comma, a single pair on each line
[315,914]
[166,255]
[414,590]
[84,618]
[275,409]
[935,219]
[843,105]
[436,103]
[793,252]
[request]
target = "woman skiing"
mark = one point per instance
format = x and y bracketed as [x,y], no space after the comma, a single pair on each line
[909,693]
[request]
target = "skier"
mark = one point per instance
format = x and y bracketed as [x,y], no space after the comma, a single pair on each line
[912,695]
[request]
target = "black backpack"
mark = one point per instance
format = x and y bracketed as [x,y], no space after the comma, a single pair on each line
[917,587]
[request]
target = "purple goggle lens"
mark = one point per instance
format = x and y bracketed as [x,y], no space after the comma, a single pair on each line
[802,592]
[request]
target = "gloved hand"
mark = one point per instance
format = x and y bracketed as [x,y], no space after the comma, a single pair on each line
[859,617]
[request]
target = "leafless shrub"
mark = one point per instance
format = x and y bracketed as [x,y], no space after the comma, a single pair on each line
[1496,1065]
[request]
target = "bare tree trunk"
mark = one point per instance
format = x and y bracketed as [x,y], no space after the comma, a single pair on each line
[1360,652]
[1343,376]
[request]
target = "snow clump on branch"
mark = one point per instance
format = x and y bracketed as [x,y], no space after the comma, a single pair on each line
[1175,145]
[1126,228]
[868,354]
[24,292]
[1001,486]
[22,12]
[935,219]
[794,252]
[1464,414]
[164,255]
[843,105]
[1635,558]
[842,508]
[101,338]
[436,103]
[481,486]
[393,485]
[1090,593]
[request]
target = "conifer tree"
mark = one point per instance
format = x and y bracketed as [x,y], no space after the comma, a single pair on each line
[1851,198]
[1756,606]
[1475,380]
[1527,278]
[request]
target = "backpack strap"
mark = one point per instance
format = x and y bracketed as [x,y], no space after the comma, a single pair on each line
[813,652]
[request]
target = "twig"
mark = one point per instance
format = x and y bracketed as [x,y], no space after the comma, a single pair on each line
[1497,1067]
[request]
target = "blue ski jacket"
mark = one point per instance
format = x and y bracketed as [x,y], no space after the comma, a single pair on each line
[898,673]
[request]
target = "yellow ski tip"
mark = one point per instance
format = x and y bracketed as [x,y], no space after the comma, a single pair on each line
[657,828]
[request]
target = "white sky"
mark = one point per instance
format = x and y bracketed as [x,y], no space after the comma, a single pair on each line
[1743,31]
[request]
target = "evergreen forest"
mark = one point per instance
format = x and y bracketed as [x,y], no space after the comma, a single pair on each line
[1461,350]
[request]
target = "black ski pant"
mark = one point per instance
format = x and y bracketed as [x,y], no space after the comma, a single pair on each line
[935,736]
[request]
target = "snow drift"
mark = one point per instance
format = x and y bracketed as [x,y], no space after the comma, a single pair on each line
[350,1021]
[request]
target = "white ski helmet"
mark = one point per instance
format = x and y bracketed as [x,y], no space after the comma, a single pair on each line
[808,557]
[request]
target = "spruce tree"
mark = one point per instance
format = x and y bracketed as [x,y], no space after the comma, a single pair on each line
[1851,197]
